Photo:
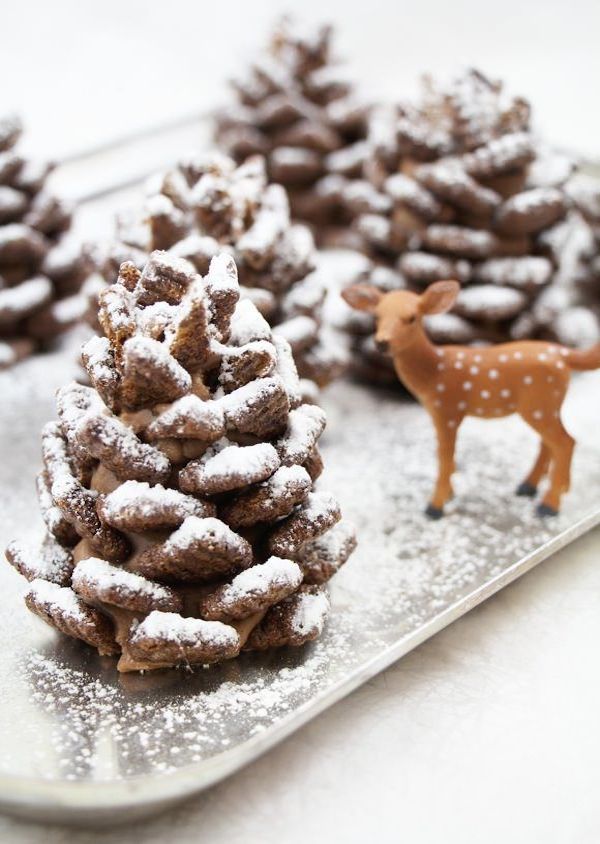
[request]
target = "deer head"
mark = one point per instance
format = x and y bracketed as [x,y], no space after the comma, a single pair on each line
[399,314]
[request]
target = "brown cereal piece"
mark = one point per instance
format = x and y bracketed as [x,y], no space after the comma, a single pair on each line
[17,303]
[73,402]
[324,556]
[230,468]
[135,506]
[259,408]
[46,561]
[191,418]
[305,426]
[500,156]
[116,314]
[268,501]
[55,454]
[48,215]
[422,268]
[314,464]
[258,243]
[149,374]
[99,361]
[96,581]
[449,180]
[199,551]
[61,608]
[451,328]
[530,211]
[167,223]
[528,273]
[166,638]
[322,363]
[252,591]
[461,242]
[287,371]
[404,190]
[78,504]
[111,442]
[188,338]
[58,526]
[318,513]
[489,302]
[293,622]
[198,249]
[164,279]
[55,318]
[242,364]
[293,165]
[301,332]
[223,291]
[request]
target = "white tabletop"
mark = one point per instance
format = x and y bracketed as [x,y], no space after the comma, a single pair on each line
[489,731]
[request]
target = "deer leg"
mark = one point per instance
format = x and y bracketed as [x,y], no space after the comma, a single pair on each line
[446,436]
[561,445]
[530,484]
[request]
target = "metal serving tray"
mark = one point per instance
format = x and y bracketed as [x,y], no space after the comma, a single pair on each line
[79,744]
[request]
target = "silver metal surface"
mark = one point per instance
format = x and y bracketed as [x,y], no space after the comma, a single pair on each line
[80,744]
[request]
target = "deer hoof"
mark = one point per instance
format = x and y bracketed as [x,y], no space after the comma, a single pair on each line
[545,510]
[526,489]
[433,512]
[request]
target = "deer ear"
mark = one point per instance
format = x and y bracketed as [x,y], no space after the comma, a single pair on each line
[362,297]
[439,297]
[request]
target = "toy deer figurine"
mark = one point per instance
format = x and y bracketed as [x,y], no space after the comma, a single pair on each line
[529,378]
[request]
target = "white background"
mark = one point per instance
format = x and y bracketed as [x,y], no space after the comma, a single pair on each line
[81,71]
[490,732]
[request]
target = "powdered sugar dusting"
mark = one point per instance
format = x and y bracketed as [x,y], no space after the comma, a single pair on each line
[85,723]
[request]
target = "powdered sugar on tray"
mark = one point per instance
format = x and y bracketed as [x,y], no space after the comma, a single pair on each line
[78,720]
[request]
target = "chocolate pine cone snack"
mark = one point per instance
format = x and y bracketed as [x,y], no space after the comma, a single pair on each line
[458,187]
[178,491]
[207,204]
[39,276]
[298,107]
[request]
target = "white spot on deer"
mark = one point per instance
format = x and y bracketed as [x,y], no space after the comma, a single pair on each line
[564,352]
[439,353]
[474,370]
[467,385]
[518,356]
[440,387]
[441,367]
[458,365]
[485,394]
[462,405]
[451,423]
[437,403]
[460,355]
[542,357]
[560,364]
[528,379]
[479,411]
[505,394]
[550,379]
[477,358]
[537,414]
[493,373]
[502,358]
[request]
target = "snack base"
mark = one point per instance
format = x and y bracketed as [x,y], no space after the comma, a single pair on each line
[95,748]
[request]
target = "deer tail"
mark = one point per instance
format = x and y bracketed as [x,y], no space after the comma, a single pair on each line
[582,359]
